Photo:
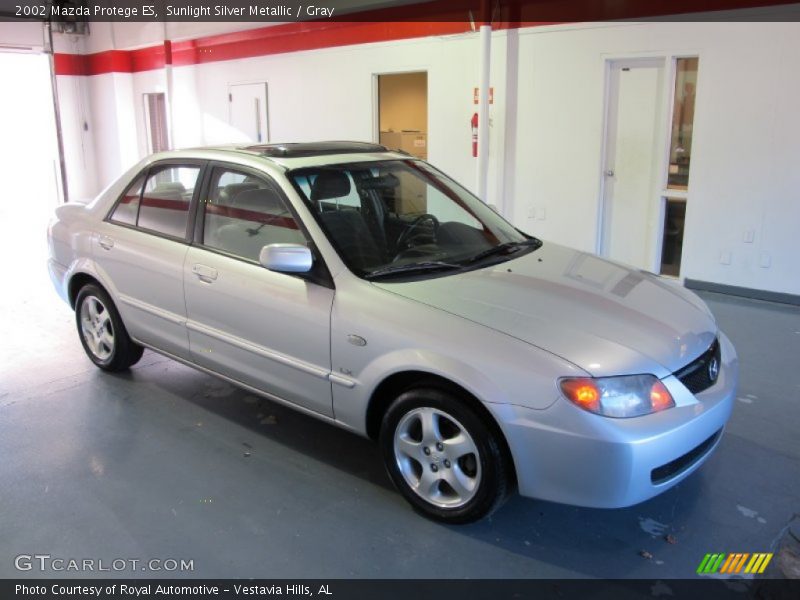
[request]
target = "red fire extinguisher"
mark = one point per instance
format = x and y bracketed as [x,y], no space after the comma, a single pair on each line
[474,135]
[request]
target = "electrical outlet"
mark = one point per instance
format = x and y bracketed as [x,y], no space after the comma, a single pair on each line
[725,258]
[531,212]
[541,214]
[749,235]
[764,260]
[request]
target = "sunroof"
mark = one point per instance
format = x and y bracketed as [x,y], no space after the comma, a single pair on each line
[315,149]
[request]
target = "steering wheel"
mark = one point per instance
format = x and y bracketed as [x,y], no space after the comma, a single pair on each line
[405,237]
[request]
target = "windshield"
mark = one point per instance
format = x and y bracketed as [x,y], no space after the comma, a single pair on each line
[402,216]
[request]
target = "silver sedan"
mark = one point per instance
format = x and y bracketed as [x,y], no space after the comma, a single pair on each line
[366,288]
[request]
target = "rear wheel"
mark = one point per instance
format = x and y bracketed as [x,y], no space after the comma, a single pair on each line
[103,336]
[442,457]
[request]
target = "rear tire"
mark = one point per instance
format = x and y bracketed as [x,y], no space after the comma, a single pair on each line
[446,462]
[103,336]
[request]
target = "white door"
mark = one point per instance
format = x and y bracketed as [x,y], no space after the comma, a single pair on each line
[633,145]
[248,112]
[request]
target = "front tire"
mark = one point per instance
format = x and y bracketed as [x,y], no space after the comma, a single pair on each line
[102,334]
[443,458]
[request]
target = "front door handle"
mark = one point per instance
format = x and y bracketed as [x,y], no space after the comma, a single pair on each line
[106,242]
[204,273]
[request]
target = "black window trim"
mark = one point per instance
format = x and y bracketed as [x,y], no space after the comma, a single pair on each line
[319,273]
[146,172]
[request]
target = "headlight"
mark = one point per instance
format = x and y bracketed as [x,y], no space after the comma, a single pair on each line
[626,396]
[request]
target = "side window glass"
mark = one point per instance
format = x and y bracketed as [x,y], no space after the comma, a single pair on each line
[128,206]
[244,213]
[166,198]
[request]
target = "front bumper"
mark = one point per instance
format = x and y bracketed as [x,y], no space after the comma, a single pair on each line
[568,455]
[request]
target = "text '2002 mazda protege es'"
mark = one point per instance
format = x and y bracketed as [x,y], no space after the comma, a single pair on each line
[368,289]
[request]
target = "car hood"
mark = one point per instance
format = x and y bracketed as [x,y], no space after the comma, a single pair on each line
[604,317]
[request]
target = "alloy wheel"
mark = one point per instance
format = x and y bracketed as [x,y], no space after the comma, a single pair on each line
[437,457]
[96,328]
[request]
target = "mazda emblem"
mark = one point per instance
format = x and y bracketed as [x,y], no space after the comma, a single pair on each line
[713,369]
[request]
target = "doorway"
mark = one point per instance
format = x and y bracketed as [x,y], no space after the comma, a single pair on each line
[633,150]
[30,170]
[248,112]
[646,161]
[402,115]
[29,159]
[155,121]
[675,194]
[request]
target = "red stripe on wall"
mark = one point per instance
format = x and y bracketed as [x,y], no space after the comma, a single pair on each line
[69,64]
[278,39]
[294,37]
[147,59]
[165,203]
[111,61]
[314,35]
[251,216]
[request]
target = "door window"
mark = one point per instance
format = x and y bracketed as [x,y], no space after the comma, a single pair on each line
[244,213]
[166,198]
[127,208]
[680,152]
[676,194]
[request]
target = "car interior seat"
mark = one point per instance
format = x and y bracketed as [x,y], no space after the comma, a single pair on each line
[347,227]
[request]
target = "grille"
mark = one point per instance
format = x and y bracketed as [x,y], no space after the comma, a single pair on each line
[680,464]
[695,376]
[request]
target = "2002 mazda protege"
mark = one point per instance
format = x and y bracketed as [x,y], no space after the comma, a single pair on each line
[368,289]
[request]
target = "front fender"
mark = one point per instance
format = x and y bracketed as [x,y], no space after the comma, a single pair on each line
[433,363]
[401,335]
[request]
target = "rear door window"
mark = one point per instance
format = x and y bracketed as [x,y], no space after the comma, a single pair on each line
[127,209]
[164,204]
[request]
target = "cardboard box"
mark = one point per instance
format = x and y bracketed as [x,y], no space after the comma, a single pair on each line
[413,142]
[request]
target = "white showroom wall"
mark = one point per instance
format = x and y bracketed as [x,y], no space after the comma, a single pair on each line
[746,142]
[546,124]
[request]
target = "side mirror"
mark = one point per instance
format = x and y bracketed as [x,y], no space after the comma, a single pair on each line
[286,258]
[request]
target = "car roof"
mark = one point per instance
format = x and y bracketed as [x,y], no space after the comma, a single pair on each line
[294,155]
[306,149]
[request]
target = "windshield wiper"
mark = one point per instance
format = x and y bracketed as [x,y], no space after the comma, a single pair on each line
[430,265]
[506,248]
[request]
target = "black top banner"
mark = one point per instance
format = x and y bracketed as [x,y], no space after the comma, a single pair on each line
[283,11]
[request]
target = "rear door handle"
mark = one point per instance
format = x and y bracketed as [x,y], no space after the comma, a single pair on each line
[204,273]
[106,242]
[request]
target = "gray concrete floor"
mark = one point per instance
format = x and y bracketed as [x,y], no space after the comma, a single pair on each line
[153,464]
